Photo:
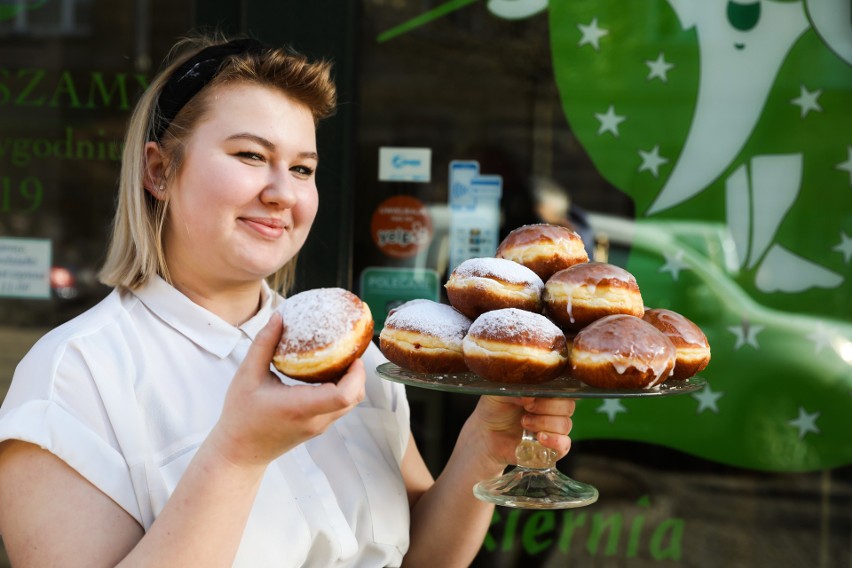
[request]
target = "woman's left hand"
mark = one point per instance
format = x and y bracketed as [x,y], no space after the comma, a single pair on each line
[501,421]
[446,510]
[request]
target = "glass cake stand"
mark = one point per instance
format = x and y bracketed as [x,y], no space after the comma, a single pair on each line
[534,483]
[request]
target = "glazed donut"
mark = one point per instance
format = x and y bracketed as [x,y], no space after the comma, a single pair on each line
[583,293]
[325,331]
[515,346]
[544,249]
[693,350]
[622,352]
[479,285]
[425,337]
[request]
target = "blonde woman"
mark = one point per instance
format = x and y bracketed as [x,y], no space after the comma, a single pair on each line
[150,431]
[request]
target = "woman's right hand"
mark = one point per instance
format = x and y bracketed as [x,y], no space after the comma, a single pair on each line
[262,418]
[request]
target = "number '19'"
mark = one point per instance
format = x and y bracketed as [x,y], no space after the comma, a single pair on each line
[26,197]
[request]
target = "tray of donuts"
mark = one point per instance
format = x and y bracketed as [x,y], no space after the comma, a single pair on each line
[539,318]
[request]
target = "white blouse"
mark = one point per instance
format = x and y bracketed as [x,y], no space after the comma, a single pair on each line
[126,393]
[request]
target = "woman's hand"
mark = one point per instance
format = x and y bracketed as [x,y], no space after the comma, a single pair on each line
[501,421]
[262,418]
[447,510]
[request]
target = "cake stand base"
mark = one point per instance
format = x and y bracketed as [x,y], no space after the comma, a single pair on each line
[527,488]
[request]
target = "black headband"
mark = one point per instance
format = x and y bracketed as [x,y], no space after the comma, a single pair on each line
[188,79]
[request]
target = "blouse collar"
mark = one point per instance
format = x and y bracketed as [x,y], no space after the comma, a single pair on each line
[202,327]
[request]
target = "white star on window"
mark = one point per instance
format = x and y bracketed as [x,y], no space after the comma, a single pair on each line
[611,407]
[805,422]
[746,333]
[674,264]
[651,161]
[592,34]
[807,100]
[659,68]
[609,121]
[844,247]
[821,336]
[707,399]
[847,165]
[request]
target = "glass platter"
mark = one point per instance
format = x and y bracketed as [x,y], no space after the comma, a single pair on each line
[561,387]
[535,482]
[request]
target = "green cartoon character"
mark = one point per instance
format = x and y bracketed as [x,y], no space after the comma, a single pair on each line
[736,115]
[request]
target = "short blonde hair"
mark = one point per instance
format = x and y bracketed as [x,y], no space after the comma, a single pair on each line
[136,251]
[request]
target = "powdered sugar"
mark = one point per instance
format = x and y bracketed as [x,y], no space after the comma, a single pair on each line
[515,323]
[317,318]
[431,318]
[499,268]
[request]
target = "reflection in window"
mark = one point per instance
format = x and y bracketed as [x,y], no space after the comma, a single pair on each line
[45,18]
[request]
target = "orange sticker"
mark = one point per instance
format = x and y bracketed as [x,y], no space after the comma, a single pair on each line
[401,226]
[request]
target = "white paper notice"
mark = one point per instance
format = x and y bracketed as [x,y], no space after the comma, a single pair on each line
[24,268]
[405,164]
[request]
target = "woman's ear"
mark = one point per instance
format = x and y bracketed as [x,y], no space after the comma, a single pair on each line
[155,170]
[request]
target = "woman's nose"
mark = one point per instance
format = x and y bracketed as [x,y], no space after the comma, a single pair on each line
[280,190]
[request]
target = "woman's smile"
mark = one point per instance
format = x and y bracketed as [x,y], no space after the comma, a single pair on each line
[265,226]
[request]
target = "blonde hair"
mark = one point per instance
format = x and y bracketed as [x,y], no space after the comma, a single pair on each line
[136,251]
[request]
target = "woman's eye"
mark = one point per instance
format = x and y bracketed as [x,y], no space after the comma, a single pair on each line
[253,156]
[304,171]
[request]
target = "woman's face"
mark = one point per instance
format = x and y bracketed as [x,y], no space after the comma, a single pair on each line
[245,197]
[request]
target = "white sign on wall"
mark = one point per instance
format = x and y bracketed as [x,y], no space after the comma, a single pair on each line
[405,164]
[24,268]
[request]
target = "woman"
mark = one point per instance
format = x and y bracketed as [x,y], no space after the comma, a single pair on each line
[151,430]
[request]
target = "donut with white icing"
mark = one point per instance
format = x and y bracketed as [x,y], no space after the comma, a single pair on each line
[425,337]
[324,331]
[479,285]
[622,352]
[693,350]
[515,346]
[577,296]
[545,249]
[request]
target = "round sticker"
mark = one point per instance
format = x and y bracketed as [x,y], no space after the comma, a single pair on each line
[401,226]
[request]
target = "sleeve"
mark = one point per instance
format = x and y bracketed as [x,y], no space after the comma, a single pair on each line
[54,403]
[387,395]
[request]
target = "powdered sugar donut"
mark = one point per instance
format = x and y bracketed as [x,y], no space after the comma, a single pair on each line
[515,346]
[479,285]
[325,330]
[545,249]
[622,351]
[425,337]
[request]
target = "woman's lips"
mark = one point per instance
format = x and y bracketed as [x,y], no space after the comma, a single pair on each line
[266,226]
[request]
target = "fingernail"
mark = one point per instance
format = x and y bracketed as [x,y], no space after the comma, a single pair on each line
[542,437]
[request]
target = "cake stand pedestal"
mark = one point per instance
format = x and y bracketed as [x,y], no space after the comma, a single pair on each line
[535,483]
